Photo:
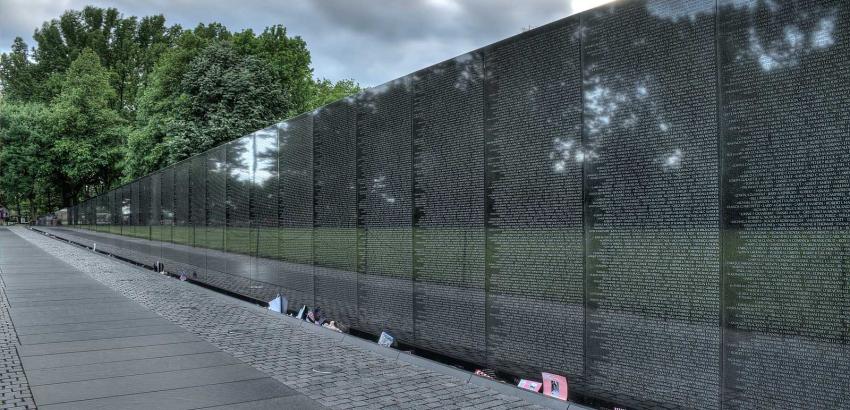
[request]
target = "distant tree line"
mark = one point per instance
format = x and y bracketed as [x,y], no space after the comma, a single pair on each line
[103,98]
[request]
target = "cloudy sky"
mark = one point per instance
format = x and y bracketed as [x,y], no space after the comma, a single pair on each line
[371,41]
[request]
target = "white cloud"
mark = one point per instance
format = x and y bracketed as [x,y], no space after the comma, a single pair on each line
[370,41]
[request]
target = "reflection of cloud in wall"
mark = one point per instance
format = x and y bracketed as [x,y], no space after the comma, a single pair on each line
[470,72]
[788,49]
[566,151]
[378,186]
[246,159]
[671,161]
[679,10]
[823,36]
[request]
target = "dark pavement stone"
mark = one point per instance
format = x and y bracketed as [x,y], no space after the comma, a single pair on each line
[115,355]
[99,334]
[142,383]
[224,394]
[74,327]
[128,368]
[83,345]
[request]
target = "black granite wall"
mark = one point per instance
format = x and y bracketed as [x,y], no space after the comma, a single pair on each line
[650,197]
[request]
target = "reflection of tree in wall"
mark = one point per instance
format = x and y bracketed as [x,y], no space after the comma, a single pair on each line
[239,180]
[265,182]
[650,149]
[786,90]
[786,84]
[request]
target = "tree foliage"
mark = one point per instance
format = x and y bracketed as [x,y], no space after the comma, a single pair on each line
[87,134]
[103,98]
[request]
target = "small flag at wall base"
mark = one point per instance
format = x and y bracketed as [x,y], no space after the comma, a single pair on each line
[279,304]
[386,339]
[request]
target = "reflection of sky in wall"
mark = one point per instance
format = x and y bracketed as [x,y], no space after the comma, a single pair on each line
[266,151]
[678,10]
[670,161]
[788,49]
[470,72]
[379,187]
[244,169]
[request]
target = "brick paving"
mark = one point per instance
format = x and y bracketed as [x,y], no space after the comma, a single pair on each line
[317,364]
[14,390]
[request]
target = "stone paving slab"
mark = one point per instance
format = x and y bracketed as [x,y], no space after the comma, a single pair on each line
[81,335]
[42,349]
[55,296]
[74,327]
[84,318]
[324,366]
[223,395]
[106,351]
[142,383]
[46,303]
[116,355]
[128,368]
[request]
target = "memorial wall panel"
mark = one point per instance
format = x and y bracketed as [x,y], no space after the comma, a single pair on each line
[265,217]
[90,214]
[113,200]
[103,217]
[216,215]
[335,209]
[135,208]
[182,200]
[105,214]
[295,247]
[448,157]
[123,200]
[178,255]
[166,201]
[785,87]
[96,213]
[198,219]
[239,243]
[156,213]
[535,238]
[126,210]
[385,209]
[102,213]
[126,218]
[650,129]
[145,218]
[119,210]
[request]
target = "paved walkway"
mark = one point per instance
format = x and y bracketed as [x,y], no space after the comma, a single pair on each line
[82,345]
[335,370]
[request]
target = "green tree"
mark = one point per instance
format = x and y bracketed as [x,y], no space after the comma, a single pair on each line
[215,86]
[126,47]
[111,96]
[325,91]
[159,103]
[289,61]
[87,135]
[24,164]
[16,72]
[223,95]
